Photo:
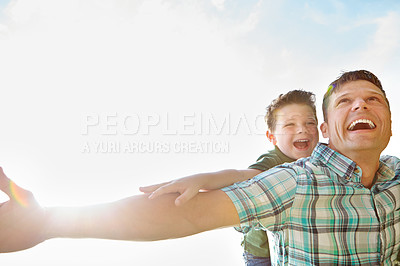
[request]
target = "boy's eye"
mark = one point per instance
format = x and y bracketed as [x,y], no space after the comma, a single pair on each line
[311,123]
[289,125]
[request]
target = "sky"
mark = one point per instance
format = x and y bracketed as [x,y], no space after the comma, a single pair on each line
[101,97]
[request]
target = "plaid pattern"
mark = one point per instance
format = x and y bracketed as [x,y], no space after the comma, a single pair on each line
[317,211]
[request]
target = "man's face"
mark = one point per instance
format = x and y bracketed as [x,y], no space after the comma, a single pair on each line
[296,130]
[358,119]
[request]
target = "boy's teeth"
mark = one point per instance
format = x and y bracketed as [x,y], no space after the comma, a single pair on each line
[364,121]
[301,144]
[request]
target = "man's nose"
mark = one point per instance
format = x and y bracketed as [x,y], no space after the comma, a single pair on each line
[359,105]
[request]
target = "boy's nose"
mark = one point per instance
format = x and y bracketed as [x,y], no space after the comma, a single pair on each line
[301,129]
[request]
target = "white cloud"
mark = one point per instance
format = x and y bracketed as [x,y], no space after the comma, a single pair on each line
[3,29]
[322,17]
[21,11]
[387,37]
[385,42]
[219,4]
[107,41]
[250,23]
[315,15]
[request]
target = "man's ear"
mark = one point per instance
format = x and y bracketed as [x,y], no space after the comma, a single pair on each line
[271,137]
[324,129]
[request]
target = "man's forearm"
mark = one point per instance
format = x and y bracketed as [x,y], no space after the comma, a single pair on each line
[140,219]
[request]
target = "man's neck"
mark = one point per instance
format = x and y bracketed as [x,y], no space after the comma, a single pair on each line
[369,163]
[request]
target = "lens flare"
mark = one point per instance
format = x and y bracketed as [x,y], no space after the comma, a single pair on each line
[330,88]
[18,195]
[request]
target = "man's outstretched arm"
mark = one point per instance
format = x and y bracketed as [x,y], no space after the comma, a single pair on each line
[135,218]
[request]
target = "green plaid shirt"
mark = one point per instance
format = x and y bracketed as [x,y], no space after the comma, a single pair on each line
[317,211]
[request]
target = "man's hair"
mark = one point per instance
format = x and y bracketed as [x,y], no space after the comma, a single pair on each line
[348,77]
[292,97]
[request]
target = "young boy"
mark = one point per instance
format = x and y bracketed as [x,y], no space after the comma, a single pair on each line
[292,128]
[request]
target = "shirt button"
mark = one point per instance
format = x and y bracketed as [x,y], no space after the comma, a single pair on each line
[356,171]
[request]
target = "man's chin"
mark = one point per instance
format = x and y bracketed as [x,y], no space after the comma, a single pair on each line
[365,145]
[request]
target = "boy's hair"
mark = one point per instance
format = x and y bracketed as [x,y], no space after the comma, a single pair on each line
[347,77]
[292,97]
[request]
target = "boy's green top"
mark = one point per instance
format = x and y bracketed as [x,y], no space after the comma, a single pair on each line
[255,242]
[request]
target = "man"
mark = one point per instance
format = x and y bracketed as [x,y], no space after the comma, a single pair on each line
[339,206]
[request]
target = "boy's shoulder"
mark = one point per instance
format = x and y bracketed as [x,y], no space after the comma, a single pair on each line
[270,159]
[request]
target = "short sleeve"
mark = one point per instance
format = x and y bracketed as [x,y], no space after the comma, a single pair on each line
[264,201]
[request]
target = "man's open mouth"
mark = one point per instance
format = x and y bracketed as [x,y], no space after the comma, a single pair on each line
[301,144]
[360,124]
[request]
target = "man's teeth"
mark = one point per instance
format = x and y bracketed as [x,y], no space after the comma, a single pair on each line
[364,121]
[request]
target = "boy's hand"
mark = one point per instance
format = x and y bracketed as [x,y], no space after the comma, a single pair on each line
[187,187]
[22,220]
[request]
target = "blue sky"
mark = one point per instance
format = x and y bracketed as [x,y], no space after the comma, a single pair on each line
[81,78]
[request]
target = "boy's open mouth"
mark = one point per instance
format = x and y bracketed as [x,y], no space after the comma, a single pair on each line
[301,144]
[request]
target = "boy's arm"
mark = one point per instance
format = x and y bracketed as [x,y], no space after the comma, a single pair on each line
[135,218]
[189,186]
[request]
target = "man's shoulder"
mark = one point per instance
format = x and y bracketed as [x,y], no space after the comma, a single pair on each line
[391,161]
[296,168]
[389,158]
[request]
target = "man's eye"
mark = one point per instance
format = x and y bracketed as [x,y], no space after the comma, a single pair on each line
[344,100]
[372,99]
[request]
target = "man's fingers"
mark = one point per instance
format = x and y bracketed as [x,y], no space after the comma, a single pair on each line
[5,183]
[13,191]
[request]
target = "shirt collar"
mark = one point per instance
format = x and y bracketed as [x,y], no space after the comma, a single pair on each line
[385,172]
[347,170]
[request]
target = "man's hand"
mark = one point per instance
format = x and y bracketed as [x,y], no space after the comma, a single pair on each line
[22,220]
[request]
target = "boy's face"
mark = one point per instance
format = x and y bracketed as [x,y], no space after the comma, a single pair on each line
[296,130]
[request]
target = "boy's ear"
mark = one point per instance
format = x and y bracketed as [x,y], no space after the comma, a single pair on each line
[324,129]
[271,137]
